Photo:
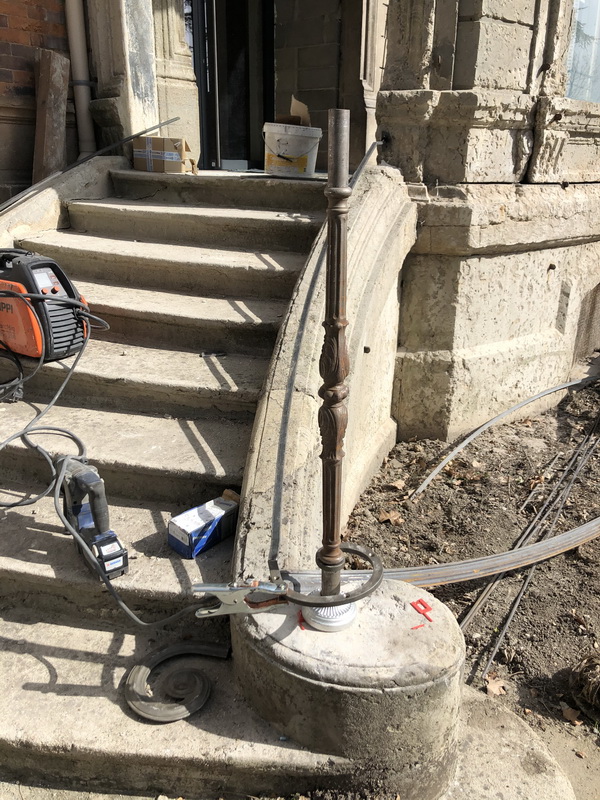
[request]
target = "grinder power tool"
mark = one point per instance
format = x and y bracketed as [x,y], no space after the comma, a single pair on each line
[90,517]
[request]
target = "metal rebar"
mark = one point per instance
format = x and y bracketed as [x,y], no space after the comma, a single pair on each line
[334,363]
[576,462]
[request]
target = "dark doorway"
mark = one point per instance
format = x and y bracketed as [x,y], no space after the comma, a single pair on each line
[234,61]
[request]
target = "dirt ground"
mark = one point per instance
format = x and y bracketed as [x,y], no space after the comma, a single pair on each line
[479,505]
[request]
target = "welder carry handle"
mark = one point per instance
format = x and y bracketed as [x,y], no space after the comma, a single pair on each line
[9,253]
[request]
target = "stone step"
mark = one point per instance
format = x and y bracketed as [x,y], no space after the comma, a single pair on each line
[139,457]
[41,569]
[157,265]
[233,189]
[144,316]
[65,721]
[149,380]
[201,225]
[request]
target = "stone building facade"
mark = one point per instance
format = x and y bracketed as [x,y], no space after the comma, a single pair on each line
[489,109]
[499,289]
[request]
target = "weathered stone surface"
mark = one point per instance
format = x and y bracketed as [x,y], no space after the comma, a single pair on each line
[567,141]
[495,319]
[507,10]
[44,211]
[492,54]
[122,44]
[52,87]
[410,34]
[464,220]
[458,136]
[385,691]
[175,80]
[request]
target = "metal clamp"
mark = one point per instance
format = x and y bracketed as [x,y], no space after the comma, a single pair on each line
[253,597]
[248,597]
[317,601]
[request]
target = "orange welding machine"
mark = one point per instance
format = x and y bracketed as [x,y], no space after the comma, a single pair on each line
[39,307]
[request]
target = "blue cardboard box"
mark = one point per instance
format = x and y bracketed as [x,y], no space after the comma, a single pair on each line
[202,527]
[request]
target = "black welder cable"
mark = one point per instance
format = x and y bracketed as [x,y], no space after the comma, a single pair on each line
[32,428]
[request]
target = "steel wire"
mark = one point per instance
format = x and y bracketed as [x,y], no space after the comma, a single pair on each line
[586,450]
[539,519]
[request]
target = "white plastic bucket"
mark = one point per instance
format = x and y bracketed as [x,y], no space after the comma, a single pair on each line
[291,149]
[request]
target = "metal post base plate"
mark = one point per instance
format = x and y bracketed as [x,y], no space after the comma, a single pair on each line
[330,618]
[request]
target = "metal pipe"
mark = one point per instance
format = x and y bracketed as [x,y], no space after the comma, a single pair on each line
[493,421]
[474,568]
[80,74]
[334,362]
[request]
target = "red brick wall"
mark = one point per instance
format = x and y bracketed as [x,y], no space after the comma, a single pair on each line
[24,26]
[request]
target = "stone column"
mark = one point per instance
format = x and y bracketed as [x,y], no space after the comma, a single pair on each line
[384,692]
[123,62]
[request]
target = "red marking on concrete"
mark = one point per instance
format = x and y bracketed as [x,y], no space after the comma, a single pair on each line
[422,607]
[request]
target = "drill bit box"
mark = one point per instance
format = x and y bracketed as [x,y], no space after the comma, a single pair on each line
[202,527]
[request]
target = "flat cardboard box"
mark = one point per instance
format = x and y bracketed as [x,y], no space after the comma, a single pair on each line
[161,154]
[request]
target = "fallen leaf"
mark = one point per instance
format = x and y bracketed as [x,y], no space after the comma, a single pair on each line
[391,516]
[571,714]
[399,484]
[495,686]
[579,754]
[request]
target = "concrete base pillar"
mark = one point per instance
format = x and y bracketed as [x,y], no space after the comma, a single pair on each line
[384,692]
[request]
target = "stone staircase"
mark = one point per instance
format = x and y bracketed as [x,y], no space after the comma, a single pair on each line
[193,275]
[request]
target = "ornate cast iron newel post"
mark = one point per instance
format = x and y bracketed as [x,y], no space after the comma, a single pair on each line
[335,609]
[334,364]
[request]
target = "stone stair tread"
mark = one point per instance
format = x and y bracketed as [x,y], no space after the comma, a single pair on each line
[318,180]
[158,253]
[64,713]
[34,552]
[233,189]
[146,368]
[116,205]
[213,447]
[172,306]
